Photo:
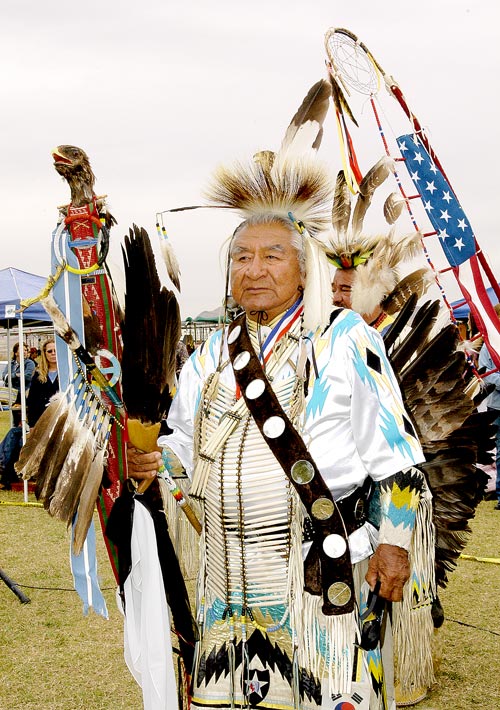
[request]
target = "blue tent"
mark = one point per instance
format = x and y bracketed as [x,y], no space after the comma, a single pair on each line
[462,312]
[16,285]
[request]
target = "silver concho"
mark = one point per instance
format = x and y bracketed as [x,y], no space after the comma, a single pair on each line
[334,545]
[322,508]
[302,472]
[339,593]
[273,427]
[234,334]
[255,388]
[241,360]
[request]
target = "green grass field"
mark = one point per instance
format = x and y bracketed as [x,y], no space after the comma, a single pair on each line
[54,658]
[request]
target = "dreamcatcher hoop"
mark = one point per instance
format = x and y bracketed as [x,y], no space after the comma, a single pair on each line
[351,61]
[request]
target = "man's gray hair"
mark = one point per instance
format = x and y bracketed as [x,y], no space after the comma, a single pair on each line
[297,240]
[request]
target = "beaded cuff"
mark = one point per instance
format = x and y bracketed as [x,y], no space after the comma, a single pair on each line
[399,499]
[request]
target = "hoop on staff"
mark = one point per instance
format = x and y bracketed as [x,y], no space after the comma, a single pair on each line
[354,65]
[103,247]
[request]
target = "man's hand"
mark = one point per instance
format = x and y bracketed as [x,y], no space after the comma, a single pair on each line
[141,465]
[390,565]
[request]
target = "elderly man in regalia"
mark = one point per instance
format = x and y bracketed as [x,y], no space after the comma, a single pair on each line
[281,421]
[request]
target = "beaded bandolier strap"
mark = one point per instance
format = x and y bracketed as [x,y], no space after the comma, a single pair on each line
[330,544]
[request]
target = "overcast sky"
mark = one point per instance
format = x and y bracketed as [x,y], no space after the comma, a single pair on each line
[159,92]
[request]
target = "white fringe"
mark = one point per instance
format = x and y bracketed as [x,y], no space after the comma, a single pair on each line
[413,628]
[339,635]
[185,539]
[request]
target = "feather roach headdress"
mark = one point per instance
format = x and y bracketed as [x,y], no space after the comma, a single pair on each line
[375,258]
[291,184]
[268,185]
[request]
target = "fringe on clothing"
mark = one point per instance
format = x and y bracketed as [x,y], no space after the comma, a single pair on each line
[411,618]
[185,539]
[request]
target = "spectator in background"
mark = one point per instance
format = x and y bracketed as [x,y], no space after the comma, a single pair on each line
[493,401]
[34,354]
[10,447]
[342,290]
[15,370]
[45,382]
[181,355]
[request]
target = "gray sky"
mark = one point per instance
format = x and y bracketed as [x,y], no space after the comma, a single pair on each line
[159,92]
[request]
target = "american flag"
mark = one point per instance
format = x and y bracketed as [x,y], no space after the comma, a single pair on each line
[455,235]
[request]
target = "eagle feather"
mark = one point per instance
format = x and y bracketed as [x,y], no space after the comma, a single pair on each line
[305,131]
[32,452]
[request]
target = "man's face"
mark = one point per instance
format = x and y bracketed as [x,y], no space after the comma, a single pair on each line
[341,287]
[265,270]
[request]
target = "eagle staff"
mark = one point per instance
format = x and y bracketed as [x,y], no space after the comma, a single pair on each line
[86,296]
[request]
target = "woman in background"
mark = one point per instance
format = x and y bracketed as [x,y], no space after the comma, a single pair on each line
[45,382]
[15,370]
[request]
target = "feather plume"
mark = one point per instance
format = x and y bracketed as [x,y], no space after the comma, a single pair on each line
[421,327]
[46,481]
[74,471]
[32,452]
[61,325]
[52,445]
[341,210]
[393,207]
[88,498]
[305,131]
[339,99]
[290,180]
[377,277]
[317,283]
[151,331]
[377,174]
[171,263]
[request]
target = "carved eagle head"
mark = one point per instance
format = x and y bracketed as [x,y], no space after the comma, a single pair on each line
[73,165]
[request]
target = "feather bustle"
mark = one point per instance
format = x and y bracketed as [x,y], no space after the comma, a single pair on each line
[415,283]
[454,436]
